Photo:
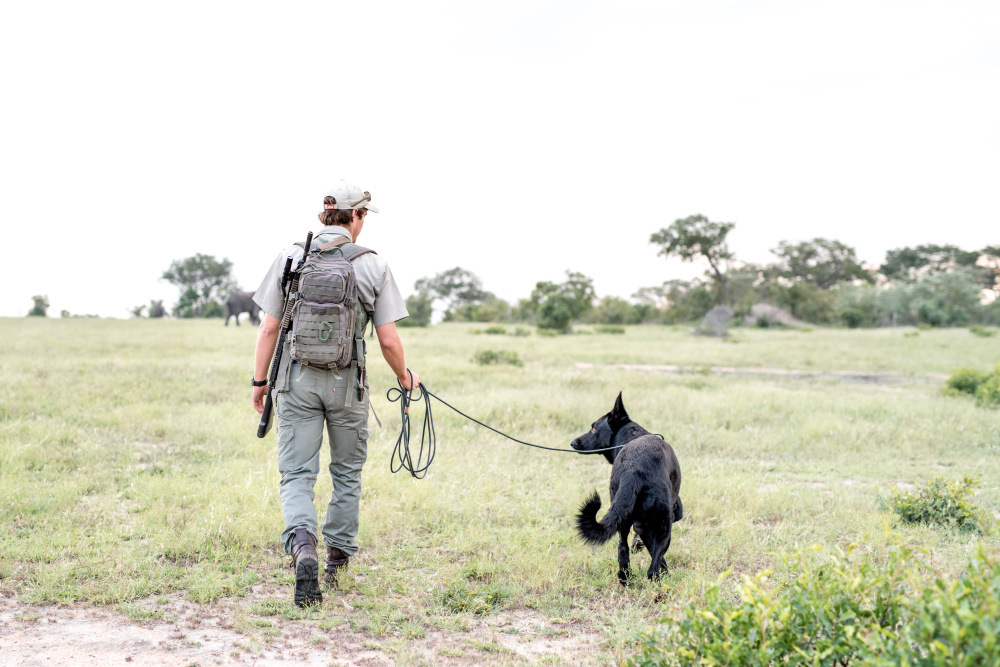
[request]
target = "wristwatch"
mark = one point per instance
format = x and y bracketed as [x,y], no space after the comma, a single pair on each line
[258,383]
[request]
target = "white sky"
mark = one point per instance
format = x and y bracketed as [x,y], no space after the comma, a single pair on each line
[515,139]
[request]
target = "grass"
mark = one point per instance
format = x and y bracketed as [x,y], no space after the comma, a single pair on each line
[129,471]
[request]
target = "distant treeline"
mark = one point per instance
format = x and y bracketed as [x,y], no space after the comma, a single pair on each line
[819,281]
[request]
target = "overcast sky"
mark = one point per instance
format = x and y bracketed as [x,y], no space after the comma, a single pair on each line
[515,139]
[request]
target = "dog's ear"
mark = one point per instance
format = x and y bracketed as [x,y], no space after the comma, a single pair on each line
[618,414]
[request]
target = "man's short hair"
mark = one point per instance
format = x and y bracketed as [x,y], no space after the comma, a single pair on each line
[337,216]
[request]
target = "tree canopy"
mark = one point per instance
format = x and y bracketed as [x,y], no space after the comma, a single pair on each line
[204,282]
[696,236]
[822,262]
[558,304]
[456,287]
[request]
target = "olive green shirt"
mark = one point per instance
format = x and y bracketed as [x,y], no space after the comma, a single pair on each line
[377,290]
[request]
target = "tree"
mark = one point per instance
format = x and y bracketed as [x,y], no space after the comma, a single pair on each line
[156,309]
[137,311]
[696,236]
[205,283]
[41,307]
[420,307]
[822,262]
[457,287]
[909,263]
[557,305]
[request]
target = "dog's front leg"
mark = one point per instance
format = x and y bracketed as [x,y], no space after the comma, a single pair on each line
[623,559]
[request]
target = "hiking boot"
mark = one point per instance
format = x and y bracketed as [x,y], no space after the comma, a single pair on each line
[336,560]
[306,564]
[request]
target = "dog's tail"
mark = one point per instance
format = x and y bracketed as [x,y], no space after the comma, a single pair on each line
[599,532]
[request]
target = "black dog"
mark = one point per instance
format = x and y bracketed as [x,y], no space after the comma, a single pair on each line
[645,481]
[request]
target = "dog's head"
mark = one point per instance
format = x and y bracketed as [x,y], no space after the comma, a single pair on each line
[602,432]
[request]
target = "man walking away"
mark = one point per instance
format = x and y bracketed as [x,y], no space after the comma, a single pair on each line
[322,379]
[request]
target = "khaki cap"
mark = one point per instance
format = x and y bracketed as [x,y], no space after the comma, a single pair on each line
[350,196]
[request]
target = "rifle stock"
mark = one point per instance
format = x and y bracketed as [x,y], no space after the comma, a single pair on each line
[267,416]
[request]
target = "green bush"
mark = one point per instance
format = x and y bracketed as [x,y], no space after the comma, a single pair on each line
[988,393]
[521,331]
[838,612]
[542,331]
[984,386]
[822,615]
[496,330]
[939,502]
[487,357]
[911,334]
[925,326]
[981,331]
[949,623]
[964,381]
[609,329]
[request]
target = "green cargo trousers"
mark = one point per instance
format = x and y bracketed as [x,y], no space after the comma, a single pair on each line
[312,397]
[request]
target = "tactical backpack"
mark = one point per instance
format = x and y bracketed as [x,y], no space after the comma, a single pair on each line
[329,320]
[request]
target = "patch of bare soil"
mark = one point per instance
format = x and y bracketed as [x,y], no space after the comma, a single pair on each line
[884,377]
[188,634]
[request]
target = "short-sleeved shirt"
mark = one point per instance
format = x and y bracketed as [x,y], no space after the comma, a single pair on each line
[376,288]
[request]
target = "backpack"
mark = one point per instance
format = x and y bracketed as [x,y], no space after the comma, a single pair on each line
[328,319]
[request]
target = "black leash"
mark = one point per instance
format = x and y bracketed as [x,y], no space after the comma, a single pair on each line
[401,457]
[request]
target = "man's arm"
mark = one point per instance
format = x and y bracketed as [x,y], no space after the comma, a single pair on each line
[392,352]
[267,338]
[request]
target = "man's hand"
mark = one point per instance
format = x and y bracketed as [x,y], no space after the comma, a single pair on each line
[258,396]
[405,380]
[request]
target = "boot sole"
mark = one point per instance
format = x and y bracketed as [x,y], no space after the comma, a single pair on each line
[307,590]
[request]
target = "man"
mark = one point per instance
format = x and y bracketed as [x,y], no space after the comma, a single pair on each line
[307,396]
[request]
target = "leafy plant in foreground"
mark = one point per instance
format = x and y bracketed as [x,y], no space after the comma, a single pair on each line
[840,612]
[825,614]
[940,502]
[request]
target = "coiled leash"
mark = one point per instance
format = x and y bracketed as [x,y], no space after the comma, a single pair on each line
[401,457]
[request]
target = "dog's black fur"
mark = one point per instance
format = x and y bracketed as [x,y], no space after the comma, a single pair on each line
[645,482]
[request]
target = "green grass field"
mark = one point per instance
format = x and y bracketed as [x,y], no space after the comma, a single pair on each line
[130,472]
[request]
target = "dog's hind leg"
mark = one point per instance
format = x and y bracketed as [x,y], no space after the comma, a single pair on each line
[623,559]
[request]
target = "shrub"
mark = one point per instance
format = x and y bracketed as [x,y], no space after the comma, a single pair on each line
[496,330]
[521,331]
[984,386]
[939,502]
[950,623]
[487,357]
[988,393]
[911,334]
[823,615]
[925,326]
[964,381]
[542,331]
[837,613]
[982,331]
[609,329]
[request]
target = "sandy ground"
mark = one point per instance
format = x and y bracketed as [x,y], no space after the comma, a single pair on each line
[190,634]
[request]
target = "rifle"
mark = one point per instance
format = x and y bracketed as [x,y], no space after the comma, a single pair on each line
[267,416]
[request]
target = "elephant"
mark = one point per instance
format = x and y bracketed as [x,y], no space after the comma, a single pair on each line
[242,302]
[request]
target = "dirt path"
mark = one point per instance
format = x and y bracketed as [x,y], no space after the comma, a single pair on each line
[189,634]
[883,377]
